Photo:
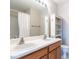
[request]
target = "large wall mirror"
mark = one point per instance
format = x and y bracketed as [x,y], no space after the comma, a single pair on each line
[28,18]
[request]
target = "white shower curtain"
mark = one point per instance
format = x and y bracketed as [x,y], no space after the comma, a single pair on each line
[24,24]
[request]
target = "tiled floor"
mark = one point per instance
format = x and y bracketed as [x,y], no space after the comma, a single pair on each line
[65,57]
[65,53]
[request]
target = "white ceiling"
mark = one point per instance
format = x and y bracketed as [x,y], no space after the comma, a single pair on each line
[60,1]
[26,4]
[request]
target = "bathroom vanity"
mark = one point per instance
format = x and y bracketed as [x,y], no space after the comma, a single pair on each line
[34,24]
[43,49]
[52,51]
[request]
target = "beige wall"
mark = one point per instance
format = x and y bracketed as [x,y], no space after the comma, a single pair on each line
[35,21]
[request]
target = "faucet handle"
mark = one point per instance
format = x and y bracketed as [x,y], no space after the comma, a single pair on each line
[21,41]
[45,36]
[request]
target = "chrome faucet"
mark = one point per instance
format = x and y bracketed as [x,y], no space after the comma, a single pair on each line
[21,41]
[45,36]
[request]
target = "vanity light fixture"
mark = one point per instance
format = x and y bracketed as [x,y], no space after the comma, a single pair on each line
[41,2]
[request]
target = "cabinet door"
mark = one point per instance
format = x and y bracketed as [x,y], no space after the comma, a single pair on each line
[59,53]
[37,54]
[52,54]
[45,57]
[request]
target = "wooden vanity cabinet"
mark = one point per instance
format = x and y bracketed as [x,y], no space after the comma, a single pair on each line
[55,54]
[52,51]
[59,53]
[54,46]
[37,55]
[55,51]
[44,57]
[52,54]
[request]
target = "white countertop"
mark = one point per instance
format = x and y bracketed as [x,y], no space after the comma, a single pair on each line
[29,47]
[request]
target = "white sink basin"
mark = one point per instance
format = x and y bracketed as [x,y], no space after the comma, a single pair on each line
[23,47]
[27,46]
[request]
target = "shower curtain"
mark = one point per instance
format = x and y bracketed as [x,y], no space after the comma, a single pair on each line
[24,24]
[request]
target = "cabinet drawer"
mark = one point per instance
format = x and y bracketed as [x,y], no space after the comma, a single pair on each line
[36,55]
[55,45]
